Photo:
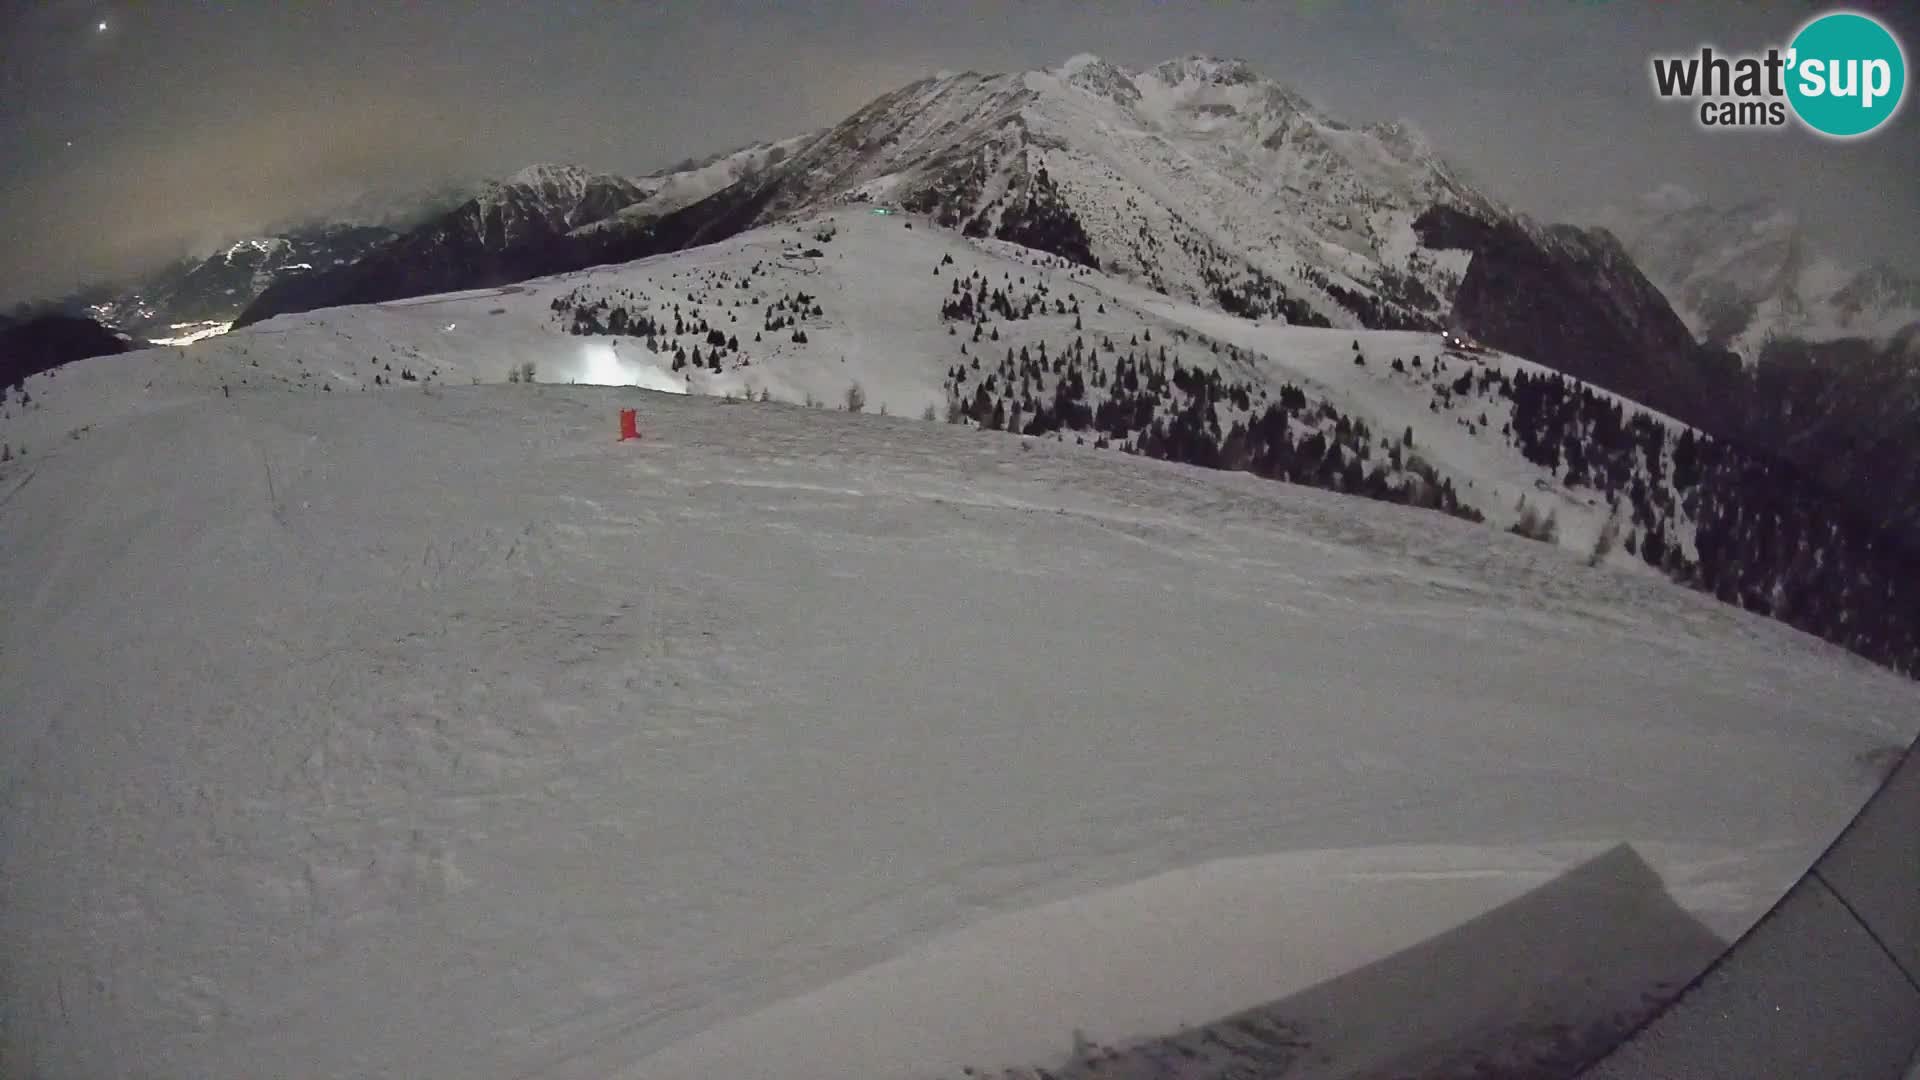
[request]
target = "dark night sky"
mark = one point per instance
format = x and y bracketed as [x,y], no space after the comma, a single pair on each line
[194,122]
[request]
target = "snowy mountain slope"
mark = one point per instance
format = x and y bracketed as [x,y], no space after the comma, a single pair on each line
[482,241]
[1458,431]
[691,181]
[880,287]
[1574,299]
[441,734]
[1746,273]
[991,334]
[1830,381]
[1196,176]
[549,199]
[201,293]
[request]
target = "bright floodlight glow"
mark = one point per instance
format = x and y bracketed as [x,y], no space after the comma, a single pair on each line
[600,365]
[102,27]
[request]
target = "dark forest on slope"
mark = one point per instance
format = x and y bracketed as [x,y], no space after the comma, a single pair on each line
[1768,537]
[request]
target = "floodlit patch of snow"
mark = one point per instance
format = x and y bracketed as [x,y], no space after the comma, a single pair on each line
[600,364]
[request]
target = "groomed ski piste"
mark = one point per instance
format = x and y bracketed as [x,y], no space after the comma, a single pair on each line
[427,730]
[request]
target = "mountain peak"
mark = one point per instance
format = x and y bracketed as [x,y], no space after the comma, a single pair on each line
[1267,206]
[1200,68]
[1099,77]
[1082,61]
[1743,272]
[550,175]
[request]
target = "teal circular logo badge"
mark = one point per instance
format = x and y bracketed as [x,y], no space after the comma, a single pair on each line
[1846,74]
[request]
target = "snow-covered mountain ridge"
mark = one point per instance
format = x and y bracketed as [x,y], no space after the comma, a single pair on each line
[547,200]
[210,290]
[1195,178]
[1748,273]
[531,223]
[990,333]
[691,181]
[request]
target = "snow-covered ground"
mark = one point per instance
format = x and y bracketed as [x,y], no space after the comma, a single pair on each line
[443,735]
[429,731]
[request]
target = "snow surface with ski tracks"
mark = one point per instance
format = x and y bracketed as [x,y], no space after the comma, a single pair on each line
[434,732]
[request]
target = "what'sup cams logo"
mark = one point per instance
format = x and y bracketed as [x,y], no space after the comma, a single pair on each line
[1843,75]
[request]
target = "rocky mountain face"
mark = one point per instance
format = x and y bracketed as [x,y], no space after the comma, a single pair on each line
[690,181]
[1836,414]
[1745,274]
[544,200]
[1573,299]
[490,239]
[544,219]
[1196,176]
[1826,358]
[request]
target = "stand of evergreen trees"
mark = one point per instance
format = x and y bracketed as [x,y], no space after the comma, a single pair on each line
[1767,537]
[1152,403]
[1044,222]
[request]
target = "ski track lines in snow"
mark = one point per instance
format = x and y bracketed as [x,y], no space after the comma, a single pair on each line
[443,735]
